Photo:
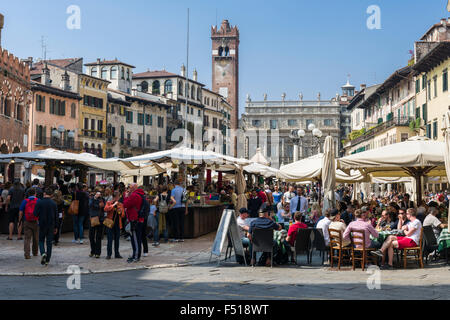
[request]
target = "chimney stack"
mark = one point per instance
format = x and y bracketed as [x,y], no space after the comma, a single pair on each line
[65,81]
[183,71]
[2,22]
[195,75]
[363,86]
[45,78]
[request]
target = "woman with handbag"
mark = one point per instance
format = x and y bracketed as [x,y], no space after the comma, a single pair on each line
[113,224]
[96,214]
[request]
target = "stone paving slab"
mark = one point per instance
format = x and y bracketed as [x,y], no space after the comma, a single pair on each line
[13,263]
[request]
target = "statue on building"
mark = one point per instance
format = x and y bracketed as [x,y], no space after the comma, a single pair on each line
[248,98]
[265,96]
[301,96]
[283,96]
[318,96]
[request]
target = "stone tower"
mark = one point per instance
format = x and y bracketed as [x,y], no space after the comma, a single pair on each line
[2,22]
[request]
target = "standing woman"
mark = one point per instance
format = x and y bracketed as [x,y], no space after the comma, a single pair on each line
[82,196]
[58,199]
[96,205]
[115,212]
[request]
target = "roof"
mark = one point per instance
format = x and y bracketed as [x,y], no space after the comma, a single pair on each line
[108,62]
[433,58]
[130,98]
[94,78]
[439,24]
[161,74]
[360,97]
[37,67]
[36,86]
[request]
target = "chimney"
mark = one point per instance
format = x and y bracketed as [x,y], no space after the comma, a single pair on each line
[183,71]
[65,82]
[45,77]
[195,75]
[28,62]
[363,86]
[2,22]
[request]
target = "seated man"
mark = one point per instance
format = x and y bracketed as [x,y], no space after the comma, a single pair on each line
[283,214]
[434,222]
[412,231]
[324,224]
[262,222]
[338,224]
[293,230]
[243,227]
[362,224]
[385,222]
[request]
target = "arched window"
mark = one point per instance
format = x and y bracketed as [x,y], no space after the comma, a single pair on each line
[199,94]
[99,151]
[156,87]
[94,72]
[168,86]
[220,52]
[73,110]
[104,73]
[227,52]
[144,86]
[122,135]
[193,92]
[122,74]
[86,148]
[114,73]
[180,88]
[7,111]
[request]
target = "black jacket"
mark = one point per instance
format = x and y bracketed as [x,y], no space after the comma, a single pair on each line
[94,208]
[47,212]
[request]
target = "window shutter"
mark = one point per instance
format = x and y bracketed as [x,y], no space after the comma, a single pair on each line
[63,108]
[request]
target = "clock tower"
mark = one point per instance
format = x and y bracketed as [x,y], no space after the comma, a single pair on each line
[225,66]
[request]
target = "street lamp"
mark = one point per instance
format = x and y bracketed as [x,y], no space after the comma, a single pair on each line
[298,136]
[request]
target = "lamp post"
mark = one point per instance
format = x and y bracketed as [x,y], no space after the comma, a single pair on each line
[58,134]
[298,136]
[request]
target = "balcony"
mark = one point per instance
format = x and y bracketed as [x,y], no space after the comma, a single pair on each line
[372,132]
[55,143]
[93,134]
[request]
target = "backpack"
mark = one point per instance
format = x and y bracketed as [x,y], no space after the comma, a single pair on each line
[29,210]
[163,207]
[145,208]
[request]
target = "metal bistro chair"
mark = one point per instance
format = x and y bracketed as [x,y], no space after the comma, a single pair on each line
[336,244]
[360,236]
[318,243]
[430,242]
[303,244]
[262,241]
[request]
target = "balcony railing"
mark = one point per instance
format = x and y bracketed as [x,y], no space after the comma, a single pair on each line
[93,133]
[395,122]
[68,144]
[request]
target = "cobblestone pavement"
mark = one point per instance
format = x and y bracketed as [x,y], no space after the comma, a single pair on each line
[232,282]
[12,260]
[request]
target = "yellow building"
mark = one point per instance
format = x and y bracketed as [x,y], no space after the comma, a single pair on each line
[92,118]
[432,90]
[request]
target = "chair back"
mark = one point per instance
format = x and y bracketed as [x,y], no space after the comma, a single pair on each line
[318,240]
[303,240]
[335,238]
[360,237]
[428,236]
[262,240]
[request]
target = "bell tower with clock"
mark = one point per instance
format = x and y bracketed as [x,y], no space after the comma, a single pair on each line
[225,66]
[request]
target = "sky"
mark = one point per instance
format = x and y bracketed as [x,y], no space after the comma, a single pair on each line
[290,47]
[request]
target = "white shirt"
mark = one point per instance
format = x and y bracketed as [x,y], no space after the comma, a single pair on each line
[324,225]
[242,223]
[288,196]
[434,222]
[416,224]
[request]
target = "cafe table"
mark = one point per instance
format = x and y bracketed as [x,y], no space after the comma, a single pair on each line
[444,240]
[383,235]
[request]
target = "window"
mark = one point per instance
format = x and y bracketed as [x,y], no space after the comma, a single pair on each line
[199,113]
[122,73]
[404,137]
[214,123]
[256,123]
[435,86]
[128,74]
[94,72]
[445,81]
[424,113]
[328,122]
[429,90]
[273,124]
[140,140]
[104,73]
[147,119]
[144,86]
[429,131]
[159,143]
[100,128]
[199,94]
[147,141]
[417,85]
[114,73]
[40,134]
[129,116]
[168,86]
[435,130]
[156,87]
[122,135]
[92,127]
[86,127]
[193,92]
[424,81]
[309,121]
[180,88]
[292,123]
[73,111]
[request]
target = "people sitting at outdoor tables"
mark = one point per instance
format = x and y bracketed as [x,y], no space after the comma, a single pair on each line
[385,223]
[284,214]
[293,229]
[338,224]
[244,226]
[324,224]
[412,238]
[402,219]
[262,222]
[361,223]
[434,222]
[254,204]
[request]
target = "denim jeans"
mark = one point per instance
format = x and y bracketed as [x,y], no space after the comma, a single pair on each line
[113,235]
[246,243]
[46,237]
[78,229]
[156,231]
[95,239]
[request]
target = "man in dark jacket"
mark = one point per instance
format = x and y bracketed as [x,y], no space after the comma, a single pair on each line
[47,212]
[96,205]
[254,204]
[132,203]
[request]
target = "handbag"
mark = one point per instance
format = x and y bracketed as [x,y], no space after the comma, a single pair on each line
[95,221]
[109,223]
[73,209]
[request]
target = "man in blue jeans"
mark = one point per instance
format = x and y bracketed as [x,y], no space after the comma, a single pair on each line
[178,211]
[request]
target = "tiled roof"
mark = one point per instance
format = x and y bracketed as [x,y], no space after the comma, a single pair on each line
[154,74]
[62,63]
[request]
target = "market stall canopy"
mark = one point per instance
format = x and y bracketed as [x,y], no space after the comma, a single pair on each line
[259,158]
[150,170]
[311,169]
[262,170]
[68,158]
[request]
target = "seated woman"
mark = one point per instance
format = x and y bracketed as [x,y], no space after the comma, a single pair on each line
[412,231]
[283,215]
[316,213]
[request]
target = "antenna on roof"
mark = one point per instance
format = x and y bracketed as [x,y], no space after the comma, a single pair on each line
[43,48]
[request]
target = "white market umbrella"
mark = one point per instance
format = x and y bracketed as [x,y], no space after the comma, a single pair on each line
[446,128]
[259,158]
[329,174]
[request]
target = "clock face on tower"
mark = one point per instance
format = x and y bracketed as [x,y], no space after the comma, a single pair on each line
[222,69]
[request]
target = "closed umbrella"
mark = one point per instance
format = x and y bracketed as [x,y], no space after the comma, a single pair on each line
[446,127]
[329,174]
[240,189]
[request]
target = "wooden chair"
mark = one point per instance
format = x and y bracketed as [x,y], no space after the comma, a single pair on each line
[336,239]
[360,236]
[418,252]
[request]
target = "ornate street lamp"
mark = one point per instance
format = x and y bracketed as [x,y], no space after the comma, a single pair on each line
[298,136]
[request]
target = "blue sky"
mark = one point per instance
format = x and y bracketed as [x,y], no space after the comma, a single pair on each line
[286,46]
